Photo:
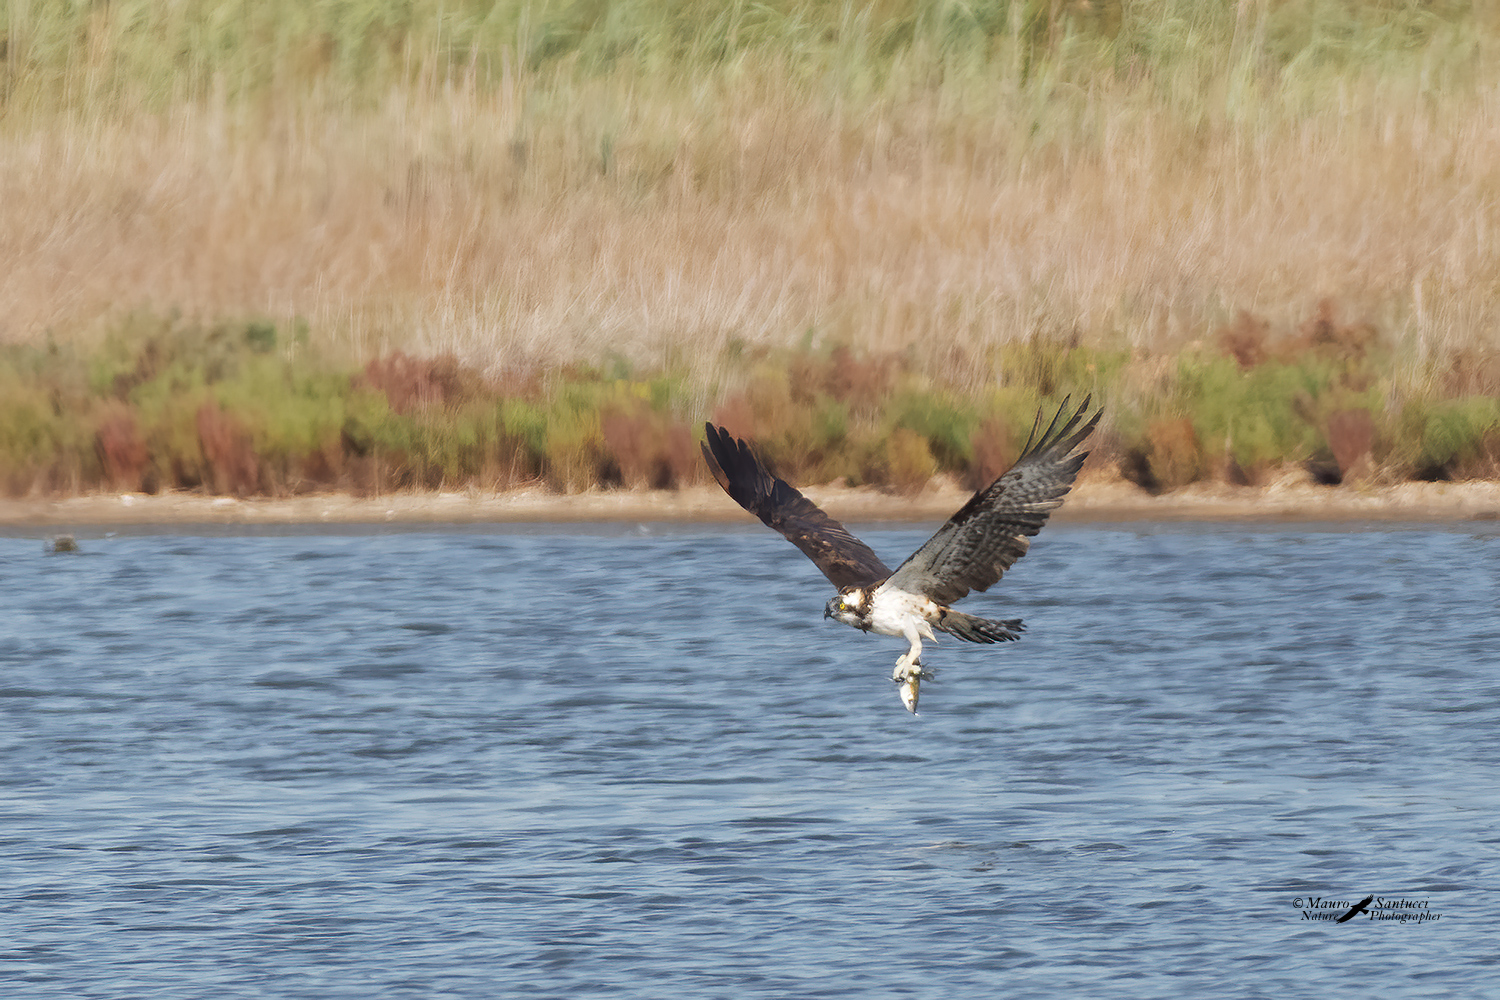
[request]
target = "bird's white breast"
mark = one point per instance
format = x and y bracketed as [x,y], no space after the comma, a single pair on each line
[892,611]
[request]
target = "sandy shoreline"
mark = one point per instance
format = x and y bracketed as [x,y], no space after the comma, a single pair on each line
[1090,502]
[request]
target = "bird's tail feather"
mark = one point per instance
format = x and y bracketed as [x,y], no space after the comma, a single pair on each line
[974,629]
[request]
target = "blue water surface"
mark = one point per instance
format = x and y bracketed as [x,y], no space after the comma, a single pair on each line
[562,762]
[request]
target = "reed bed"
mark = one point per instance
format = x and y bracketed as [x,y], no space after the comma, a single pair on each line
[695,197]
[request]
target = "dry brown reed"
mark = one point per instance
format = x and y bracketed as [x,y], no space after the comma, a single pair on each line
[546,218]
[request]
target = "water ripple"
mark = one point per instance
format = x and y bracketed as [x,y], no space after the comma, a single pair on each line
[618,763]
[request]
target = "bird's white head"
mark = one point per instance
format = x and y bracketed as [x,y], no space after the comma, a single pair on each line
[849,607]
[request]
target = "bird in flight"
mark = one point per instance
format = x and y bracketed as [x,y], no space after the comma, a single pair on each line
[970,552]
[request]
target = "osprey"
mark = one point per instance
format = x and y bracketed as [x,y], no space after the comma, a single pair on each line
[970,552]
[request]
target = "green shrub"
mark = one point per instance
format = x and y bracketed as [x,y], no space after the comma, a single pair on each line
[909,463]
[1270,414]
[945,426]
[1455,434]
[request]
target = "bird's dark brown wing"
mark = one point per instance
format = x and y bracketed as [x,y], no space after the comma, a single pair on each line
[844,559]
[990,532]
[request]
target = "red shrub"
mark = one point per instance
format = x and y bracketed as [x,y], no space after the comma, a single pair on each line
[1248,339]
[1169,457]
[650,450]
[738,415]
[1325,333]
[1351,435]
[415,383]
[1175,456]
[1245,339]
[121,450]
[228,451]
[995,451]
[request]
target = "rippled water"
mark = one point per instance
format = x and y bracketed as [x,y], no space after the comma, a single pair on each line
[563,763]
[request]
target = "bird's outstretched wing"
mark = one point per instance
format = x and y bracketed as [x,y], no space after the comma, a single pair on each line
[844,559]
[989,533]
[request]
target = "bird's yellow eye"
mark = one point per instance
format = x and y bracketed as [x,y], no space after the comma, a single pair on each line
[843,604]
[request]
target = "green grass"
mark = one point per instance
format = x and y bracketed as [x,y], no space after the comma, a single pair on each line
[192,48]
